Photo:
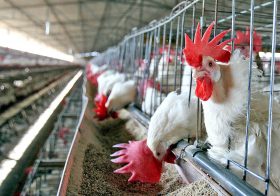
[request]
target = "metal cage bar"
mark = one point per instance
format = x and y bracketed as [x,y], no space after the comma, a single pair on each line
[269,129]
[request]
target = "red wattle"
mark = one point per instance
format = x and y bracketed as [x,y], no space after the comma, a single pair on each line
[100,110]
[140,160]
[204,88]
[114,115]
[169,157]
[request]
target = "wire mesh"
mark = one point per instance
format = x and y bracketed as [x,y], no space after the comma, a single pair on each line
[45,175]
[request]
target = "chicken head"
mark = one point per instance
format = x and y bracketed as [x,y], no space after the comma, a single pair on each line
[201,55]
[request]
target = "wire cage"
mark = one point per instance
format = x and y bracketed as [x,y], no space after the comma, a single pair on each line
[45,175]
[153,57]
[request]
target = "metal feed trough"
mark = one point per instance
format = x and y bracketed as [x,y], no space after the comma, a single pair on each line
[155,52]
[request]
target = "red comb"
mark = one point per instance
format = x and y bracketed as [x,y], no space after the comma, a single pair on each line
[201,47]
[100,110]
[244,39]
[143,166]
[93,77]
[257,42]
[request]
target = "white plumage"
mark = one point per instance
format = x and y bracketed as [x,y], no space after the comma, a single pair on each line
[106,83]
[152,99]
[276,94]
[121,95]
[172,121]
[225,117]
[101,80]
[95,68]
[165,72]
[186,80]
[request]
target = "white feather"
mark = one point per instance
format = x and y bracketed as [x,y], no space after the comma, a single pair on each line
[101,80]
[151,100]
[172,121]
[166,73]
[121,95]
[228,120]
[95,68]
[186,80]
[108,82]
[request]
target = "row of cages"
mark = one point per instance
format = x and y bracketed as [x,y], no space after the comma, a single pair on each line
[18,83]
[15,119]
[155,53]
[46,173]
[10,58]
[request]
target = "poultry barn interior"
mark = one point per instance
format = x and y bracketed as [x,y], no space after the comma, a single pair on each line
[122,97]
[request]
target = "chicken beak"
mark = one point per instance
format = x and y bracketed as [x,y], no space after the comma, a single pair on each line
[169,157]
[200,73]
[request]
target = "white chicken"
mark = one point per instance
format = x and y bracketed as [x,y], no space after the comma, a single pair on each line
[93,71]
[186,80]
[106,83]
[101,79]
[122,94]
[242,42]
[165,71]
[111,81]
[150,90]
[223,91]
[95,68]
[172,121]
[151,100]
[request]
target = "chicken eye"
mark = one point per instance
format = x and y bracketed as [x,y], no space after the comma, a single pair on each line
[158,153]
[210,64]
